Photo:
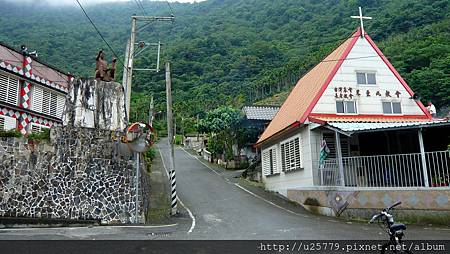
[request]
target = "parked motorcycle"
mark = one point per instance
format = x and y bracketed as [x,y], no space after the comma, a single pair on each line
[395,230]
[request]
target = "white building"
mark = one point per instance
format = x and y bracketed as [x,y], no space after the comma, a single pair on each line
[356,103]
[32,94]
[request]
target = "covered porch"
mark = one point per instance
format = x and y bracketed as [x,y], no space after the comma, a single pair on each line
[381,155]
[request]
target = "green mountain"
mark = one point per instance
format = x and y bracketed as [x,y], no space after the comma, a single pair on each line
[236,52]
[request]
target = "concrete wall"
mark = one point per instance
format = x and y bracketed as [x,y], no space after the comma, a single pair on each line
[95,104]
[78,175]
[194,142]
[418,204]
[364,58]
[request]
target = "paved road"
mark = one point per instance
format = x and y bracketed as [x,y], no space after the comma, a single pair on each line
[223,210]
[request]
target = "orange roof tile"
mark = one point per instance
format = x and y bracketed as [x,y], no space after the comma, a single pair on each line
[308,89]
[368,119]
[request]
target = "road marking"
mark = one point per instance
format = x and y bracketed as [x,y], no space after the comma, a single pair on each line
[267,201]
[143,226]
[178,198]
[204,164]
[244,189]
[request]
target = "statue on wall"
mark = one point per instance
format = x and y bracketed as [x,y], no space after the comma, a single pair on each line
[102,71]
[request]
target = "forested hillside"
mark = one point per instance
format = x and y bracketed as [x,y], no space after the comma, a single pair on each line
[236,52]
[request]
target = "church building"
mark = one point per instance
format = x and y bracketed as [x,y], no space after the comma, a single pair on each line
[32,93]
[353,121]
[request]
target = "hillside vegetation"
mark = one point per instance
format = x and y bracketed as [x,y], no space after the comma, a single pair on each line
[236,52]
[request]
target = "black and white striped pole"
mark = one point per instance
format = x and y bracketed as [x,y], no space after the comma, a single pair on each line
[173,180]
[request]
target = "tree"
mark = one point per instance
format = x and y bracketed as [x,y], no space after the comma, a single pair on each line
[223,126]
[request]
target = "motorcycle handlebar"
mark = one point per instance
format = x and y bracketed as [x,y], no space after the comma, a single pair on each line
[385,211]
[374,218]
[394,205]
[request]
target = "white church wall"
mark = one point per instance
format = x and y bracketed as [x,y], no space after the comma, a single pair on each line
[363,57]
[302,177]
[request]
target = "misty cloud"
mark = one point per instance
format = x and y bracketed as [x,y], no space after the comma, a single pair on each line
[84,2]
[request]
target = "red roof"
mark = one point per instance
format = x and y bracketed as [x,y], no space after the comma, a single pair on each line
[308,90]
[11,56]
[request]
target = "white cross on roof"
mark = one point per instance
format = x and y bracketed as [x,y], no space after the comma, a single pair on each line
[361,17]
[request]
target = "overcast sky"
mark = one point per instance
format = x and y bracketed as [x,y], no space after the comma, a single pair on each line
[69,2]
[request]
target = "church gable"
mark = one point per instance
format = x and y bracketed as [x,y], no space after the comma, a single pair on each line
[365,84]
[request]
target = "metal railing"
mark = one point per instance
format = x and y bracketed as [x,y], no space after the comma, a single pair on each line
[396,170]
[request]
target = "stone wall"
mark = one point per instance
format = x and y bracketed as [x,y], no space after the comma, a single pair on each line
[79,174]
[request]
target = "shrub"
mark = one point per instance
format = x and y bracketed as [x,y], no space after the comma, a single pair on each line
[150,154]
[43,135]
[312,202]
[11,133]
[178,139]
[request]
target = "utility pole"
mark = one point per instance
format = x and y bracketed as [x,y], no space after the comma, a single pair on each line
[170,135]
[198,133]
[150,112]
[130,54]
[129,64]
[125,79]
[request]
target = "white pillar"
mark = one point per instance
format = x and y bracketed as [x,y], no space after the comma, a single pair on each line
[424,162]
[339,158]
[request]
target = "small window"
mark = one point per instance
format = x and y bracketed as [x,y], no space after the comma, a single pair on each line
[392,107]
[371,79]
[340,107]
[396,107]
[387,109]
[351,107]
[9,90]
[290,155]
[36,128]
[7,123]
[346,107]
[47,102]
[366,78]
[361,78]
[269,162]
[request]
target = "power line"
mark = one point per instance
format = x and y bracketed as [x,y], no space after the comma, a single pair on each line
[170,7]
[139,4]
[99,33]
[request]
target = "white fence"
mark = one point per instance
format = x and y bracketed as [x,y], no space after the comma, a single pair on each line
[397,170]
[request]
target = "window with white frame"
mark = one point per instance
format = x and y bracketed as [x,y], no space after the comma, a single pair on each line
[47,102]
[346,107]
[9,89]
[290,155]
[7,123]
[269,161]
[36,128]
[392,107]
[366,78]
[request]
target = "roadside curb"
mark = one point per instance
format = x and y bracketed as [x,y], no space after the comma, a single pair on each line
[6,223]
